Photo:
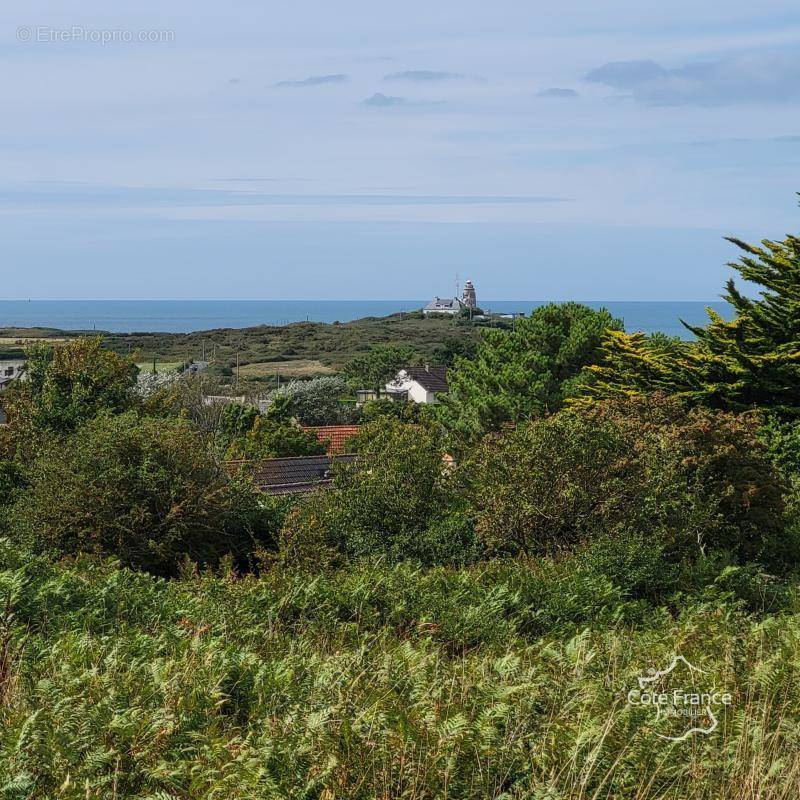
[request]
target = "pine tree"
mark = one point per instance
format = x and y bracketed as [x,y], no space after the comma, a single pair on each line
[524,372]
[751,361]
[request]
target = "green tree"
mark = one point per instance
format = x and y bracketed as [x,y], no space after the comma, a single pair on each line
[526,371]
[66,385]
[689,482]
[243,433]
[236,420]
[750,361]
[374,369]
[396,501]
[454,347]
[143,490]
[318,401]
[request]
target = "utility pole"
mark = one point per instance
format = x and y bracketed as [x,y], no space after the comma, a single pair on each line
[237,369]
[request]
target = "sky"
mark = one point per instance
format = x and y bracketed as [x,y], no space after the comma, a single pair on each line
[264,150]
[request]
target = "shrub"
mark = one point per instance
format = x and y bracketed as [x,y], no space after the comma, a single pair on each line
[692,481]
[270,438]
[633,561]
[406,412]
[245,434]
[374,369]
[66,385]
[144,490]
[392,502]
[318,401]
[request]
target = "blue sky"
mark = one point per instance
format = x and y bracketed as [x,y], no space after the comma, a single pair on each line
[368,150]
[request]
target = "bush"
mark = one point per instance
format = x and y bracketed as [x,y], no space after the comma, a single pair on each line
[393,502]
[270,438]
[243,433]
[143,490]
[691,481]
[318,401]
[374,410]
[634,562]
[64,386]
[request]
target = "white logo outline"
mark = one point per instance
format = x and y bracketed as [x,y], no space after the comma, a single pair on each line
[643,682]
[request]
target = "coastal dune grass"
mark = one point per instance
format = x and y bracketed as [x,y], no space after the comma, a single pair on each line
[377,682]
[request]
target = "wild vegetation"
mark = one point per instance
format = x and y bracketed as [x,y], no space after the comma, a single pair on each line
[463,613]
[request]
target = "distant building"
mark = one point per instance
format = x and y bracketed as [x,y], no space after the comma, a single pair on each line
[10,371]
[453,305]
[195,367]
[443,305]
[419,384]
[468,297]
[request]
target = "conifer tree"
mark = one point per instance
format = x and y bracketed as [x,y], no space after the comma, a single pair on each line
[751,361]
[525,372]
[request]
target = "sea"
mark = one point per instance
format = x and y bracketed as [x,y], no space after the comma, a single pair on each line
[184,316]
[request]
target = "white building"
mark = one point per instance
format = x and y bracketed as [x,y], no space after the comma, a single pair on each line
[419,384]
[443,305]
[10,371]
[453,305]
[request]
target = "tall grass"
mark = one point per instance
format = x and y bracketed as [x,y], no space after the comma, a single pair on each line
[378,682]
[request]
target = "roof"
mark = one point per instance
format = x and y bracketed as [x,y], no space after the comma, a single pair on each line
[444,304]
[281,476]
[334,436]
[431,378]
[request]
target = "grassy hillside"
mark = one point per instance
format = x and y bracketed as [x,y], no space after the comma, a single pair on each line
[490,682]
[302,349]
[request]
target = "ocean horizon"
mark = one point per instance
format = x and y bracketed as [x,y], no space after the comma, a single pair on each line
[186,316]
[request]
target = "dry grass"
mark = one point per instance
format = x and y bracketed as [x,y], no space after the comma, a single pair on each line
[24,341]
[300,368]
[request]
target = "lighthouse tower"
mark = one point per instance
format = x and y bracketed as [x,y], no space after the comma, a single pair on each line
[468,297]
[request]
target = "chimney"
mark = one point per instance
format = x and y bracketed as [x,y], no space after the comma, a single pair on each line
[427,368]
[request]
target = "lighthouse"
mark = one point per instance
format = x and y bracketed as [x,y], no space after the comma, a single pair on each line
[468,297]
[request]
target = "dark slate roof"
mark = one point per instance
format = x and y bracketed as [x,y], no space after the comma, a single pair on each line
[278,476]
[431,378]
[444,304]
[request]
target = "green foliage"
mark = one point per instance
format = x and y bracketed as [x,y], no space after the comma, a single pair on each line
[504,680]
[748,362]
[246,434]
[392,502]
[236,420]
[272,437]
[755,589]
[67,384]
[693,481]
[144,490]
[454,347]
[11,484]
[374,410]
[525,372]
[635,561]
[374,369]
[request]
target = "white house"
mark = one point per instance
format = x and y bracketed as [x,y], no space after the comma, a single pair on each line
[419,384]
[10,371]
[443,305]
[453,305]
